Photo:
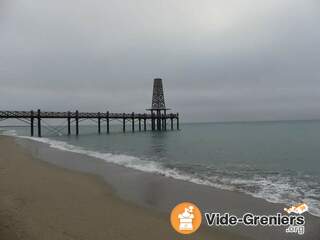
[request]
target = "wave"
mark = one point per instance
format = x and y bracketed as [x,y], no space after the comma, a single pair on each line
[274,189]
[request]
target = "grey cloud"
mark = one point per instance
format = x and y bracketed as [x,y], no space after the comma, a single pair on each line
[220,61]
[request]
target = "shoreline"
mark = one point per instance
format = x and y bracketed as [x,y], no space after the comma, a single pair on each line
[42,201]
[152,167]
[159,194]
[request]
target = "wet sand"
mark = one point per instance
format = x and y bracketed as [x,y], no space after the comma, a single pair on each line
[39,200]
[161,194]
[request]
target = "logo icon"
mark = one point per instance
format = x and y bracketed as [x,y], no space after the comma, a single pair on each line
[186,218]
[298,208]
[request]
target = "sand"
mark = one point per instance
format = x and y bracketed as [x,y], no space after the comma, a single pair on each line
[160,193]
[41,201]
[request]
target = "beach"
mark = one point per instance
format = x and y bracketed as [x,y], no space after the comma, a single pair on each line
[47,193]
[41,201]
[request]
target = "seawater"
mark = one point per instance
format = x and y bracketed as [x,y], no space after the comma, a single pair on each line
[276,161]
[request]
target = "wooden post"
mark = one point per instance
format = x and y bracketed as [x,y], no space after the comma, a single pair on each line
[165,120]
[108,122]
[77,122]
[69,123]
[159,120]
[171,118]
[123,122]
[139,123]
[99,123]
[152,121]
[32,123]
[178,128]
[39,123]
[145,122]
[132,119]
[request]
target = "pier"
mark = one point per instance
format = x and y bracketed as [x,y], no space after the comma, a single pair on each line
[34,118]
[156,119]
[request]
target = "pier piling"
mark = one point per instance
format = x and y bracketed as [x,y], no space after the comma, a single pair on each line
[108,127]
[132,119]
[69,123]
[159,120]
[152,121]
[99,123]
[77,122]
[171,119]
[31,123]
[39,123]
[124,122]
[165,120]
[139,119]
[178,127]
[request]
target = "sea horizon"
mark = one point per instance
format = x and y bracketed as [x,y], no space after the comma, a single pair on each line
[203,122]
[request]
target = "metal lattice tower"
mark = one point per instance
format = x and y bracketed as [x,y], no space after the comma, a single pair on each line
[158,102]
[158,107]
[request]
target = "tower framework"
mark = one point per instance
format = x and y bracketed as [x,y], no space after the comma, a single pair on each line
[158,102]
[158,107]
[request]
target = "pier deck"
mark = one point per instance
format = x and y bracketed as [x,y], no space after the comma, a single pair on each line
[32,116]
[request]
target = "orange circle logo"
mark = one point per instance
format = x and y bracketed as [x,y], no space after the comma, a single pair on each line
[186,218]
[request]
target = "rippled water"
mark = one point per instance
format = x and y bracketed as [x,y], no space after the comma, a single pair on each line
[277,161]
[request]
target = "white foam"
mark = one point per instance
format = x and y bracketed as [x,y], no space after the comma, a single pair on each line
[10,132]
[314,206]
[279,190]
[120,159]
[273,189]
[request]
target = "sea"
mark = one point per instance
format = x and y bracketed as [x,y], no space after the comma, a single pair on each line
[275,161]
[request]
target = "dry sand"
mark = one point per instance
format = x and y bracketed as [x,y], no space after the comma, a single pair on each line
[41,201]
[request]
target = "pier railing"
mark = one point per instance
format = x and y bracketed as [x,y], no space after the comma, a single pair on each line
[32,116]
[29,114]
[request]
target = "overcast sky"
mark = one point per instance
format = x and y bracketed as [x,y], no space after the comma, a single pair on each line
[220,60]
